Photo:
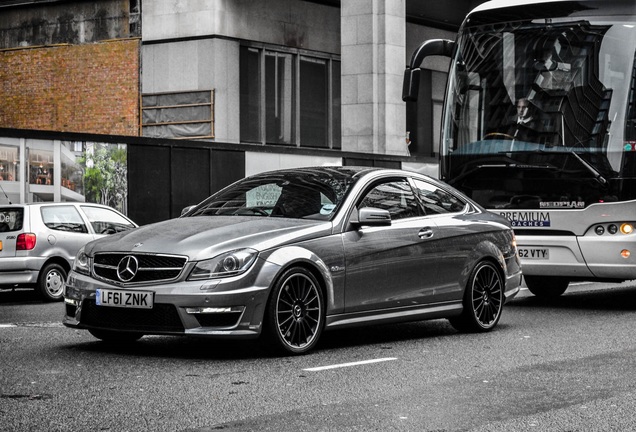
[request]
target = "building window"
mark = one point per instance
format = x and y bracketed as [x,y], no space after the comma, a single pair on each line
[9,163]
[289,97]
[180,115]
[40,167]
[279,98]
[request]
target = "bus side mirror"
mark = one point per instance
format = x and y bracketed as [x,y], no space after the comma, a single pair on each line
[411,84]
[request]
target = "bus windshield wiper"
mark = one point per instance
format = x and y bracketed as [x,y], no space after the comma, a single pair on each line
[597,174]
[501,165]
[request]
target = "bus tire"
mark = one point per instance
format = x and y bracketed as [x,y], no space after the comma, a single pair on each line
[546,286]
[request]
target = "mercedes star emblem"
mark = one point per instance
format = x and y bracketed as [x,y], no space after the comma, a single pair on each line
[127,268]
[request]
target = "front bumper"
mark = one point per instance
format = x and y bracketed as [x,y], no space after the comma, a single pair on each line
[583,257]
[221,308]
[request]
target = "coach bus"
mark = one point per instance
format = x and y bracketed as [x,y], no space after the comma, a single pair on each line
[539,125]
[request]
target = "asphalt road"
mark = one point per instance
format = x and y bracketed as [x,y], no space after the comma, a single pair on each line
[565,365]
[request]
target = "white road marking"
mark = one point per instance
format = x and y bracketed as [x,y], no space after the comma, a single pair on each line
[341,365]
[32,324]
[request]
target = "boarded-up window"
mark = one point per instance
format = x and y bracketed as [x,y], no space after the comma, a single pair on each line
[181,115]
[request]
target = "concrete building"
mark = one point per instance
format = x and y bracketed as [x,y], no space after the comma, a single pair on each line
[258,85]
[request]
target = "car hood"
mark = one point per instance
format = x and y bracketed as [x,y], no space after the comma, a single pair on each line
[207,236]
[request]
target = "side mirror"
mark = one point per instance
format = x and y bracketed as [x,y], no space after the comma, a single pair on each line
[371,216]
[433,47]
[187,209]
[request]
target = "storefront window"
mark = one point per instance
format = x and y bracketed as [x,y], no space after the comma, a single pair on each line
[40,167]
[9,163]
[72,174]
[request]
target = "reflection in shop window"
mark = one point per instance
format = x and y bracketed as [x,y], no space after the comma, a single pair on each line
[40,167]
[72,172]
[106,174]
[9,163]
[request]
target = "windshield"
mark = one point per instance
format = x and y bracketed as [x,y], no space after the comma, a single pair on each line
[541,112]
[300,194]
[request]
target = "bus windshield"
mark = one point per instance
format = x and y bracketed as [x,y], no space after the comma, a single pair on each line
[541,112]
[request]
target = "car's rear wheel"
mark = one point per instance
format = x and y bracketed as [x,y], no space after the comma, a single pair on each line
[115,336]
[295,313]
[483,299]
[51,282]
[546,286]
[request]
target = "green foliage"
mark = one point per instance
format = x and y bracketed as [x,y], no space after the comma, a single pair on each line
[105,175]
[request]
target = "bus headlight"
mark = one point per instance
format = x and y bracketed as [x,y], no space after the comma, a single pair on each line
[627,228]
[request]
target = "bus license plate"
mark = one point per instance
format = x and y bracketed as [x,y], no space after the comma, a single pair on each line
[529,253]
[125,299]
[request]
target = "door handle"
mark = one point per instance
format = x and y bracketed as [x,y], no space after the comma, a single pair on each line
[425,233]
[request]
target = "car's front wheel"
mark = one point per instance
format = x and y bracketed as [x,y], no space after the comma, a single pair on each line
[483,299]
[51,282]
[295,313]
[115,336]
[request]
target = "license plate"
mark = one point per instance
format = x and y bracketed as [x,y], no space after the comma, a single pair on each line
[125,299]
[538,254]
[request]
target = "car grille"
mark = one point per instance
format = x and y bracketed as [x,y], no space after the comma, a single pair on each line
[152,268]
[161,318]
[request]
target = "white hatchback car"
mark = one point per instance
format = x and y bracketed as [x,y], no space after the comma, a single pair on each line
[38,242]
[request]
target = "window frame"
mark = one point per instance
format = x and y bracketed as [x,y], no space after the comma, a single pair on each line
[423,205]
[387,180]
[47,211]
[143,124]
[331,141]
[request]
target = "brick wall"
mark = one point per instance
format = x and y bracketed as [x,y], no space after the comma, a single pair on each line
[91,88]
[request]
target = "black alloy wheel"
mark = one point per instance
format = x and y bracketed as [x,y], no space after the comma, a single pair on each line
[295,314]
[483,299]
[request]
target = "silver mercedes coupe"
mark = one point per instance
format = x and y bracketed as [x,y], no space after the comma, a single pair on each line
[284,255]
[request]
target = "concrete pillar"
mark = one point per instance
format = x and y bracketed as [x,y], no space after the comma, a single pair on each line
[373,39]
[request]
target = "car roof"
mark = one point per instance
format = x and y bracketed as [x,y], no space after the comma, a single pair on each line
[50,204]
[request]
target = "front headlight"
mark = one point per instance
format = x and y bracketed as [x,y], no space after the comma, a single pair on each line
[81,263]
[228,264]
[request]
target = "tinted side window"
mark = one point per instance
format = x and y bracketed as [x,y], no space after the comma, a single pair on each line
[395,196]
[436,200]
[11,219]
[63,218]
[106,221]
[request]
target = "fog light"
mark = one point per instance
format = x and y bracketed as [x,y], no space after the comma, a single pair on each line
[599,230]
[627,228]
[214,310]
[625,253]
[612,229]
